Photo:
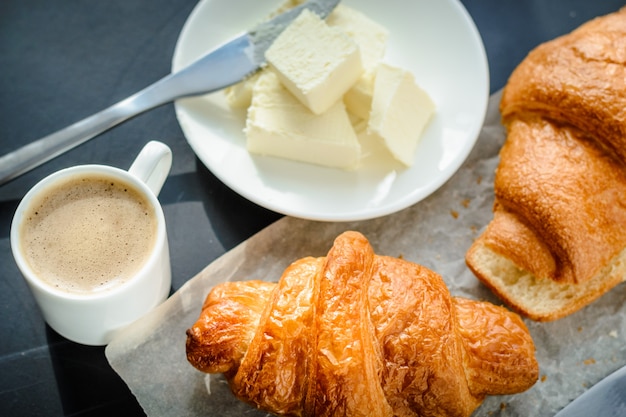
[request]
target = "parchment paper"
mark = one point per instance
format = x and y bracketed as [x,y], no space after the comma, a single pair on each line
[573,353]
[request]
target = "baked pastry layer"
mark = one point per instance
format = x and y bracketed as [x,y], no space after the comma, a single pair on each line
[560,186]
[355,334]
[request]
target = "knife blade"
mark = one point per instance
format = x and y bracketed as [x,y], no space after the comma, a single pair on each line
[607,398]
[225,65]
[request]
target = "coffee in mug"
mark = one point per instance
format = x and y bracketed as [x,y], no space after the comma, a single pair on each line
[88,233]
[91,243]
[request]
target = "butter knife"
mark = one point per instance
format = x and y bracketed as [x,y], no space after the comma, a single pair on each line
[224,66]
[607,398]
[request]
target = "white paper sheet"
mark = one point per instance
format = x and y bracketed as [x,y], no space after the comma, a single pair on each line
[573,353]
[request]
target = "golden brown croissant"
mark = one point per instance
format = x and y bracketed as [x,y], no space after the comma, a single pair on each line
[558,237]
[357,334]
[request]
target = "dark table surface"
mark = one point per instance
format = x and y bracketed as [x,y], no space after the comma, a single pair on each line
[62,60]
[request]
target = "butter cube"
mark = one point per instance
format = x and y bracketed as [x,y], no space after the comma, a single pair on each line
[370,36]
[358,99]
[279,125]
[239,96]
[317,63]
[400,111]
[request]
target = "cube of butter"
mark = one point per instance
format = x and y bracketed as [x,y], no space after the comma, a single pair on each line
[400,111]
[279,125]
[358,99]
[370,36]
[239,96]
[317,63]
[372,40]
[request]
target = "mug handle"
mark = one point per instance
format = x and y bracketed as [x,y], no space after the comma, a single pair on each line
[152,165]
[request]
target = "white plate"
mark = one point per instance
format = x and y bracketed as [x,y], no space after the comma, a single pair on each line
[436,40]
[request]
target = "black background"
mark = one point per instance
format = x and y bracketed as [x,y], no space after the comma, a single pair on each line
[61,60]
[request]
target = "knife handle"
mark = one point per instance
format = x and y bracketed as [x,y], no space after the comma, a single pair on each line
[42,150]
[225,63]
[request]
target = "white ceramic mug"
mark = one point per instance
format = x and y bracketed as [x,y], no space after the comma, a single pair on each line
[93,318]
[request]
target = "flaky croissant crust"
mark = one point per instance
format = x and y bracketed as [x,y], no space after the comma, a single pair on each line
[578,79]
[560,187]
[357,334]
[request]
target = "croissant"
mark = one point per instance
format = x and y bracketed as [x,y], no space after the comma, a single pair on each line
[557,240]
[357,334]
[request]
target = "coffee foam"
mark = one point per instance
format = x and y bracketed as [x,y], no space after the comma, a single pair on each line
[88,234]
